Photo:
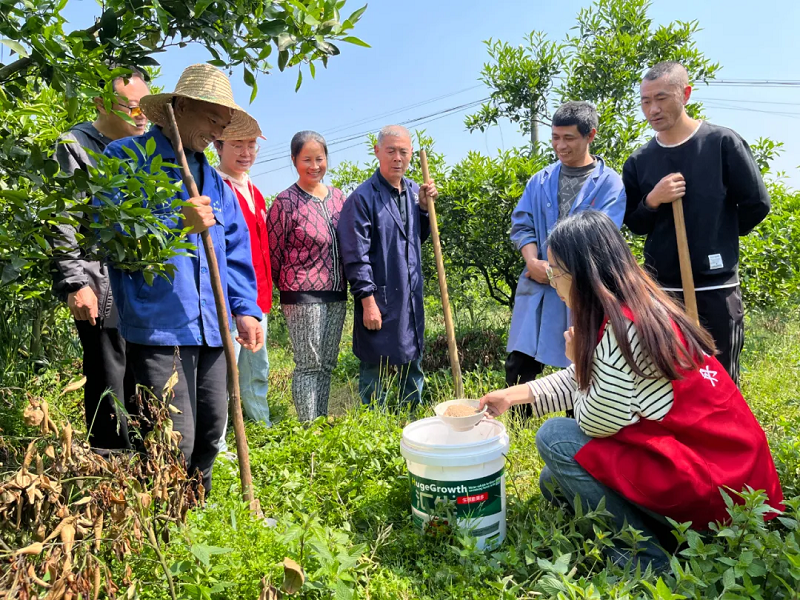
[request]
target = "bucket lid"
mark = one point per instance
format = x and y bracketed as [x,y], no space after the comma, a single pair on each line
[430,441]
[432,434]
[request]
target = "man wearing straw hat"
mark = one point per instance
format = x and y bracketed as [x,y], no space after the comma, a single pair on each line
[172,325]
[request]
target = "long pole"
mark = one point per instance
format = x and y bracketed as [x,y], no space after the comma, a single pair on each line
[687,279]
[452,349]
[242,450]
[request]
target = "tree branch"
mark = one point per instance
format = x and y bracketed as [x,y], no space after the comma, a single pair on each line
[494,292]
[23,63]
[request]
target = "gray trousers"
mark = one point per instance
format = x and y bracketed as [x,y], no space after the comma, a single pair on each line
[200,396]
[315,331]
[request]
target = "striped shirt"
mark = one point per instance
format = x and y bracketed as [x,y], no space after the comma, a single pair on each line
[616,396]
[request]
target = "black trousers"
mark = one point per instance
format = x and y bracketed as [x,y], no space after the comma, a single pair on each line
[722,314]
[105,367]
[200,395]
[521,368]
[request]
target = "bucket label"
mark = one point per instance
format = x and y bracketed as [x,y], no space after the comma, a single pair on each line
[473,498]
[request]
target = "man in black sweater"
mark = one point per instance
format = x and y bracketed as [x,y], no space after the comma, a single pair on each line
[83,284]
[724,197]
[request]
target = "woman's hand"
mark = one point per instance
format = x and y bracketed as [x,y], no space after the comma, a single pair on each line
[498,402]
[569,337]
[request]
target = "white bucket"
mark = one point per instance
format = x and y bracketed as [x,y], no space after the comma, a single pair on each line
[462,468]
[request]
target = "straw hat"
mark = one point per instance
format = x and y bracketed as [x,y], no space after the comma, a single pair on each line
[209,84]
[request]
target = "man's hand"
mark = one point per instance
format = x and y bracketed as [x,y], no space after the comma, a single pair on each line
[83,305]
[669,189]
[427,190]
[372,314]
[250,335]
[569,337]
[199,216]
[537,270]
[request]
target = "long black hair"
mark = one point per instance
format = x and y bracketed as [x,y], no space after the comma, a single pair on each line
[606,278]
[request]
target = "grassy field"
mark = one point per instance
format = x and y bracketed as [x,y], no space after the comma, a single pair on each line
[339,493]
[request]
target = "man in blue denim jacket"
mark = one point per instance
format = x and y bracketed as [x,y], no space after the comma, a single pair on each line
[172,325]
[578,181]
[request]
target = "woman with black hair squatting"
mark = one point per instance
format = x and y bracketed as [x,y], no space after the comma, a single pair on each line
[659,425]
[307,268]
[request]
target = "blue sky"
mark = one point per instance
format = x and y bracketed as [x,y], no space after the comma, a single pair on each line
[423,50]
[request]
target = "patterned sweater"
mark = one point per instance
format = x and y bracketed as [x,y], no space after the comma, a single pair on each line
[304,246]
[616,396]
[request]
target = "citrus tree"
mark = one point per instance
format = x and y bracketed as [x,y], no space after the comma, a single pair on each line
[602,60]
[48,85]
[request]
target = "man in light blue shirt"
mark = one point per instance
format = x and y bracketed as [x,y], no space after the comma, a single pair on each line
[577,181]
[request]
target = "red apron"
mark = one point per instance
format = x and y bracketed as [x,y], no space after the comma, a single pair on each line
[259,243]
[675,467]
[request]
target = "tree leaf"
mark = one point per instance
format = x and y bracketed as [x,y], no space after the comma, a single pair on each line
[283,58]
[272,28]
[343,591]
[285,40]
[354,40]
[249,78]
[268,592]
[74,385]
[293,578]
[357,14]
[299,80]
[108,25]
[16,47]
[201,6]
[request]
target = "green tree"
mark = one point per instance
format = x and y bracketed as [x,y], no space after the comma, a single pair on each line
[613,43]
[49,85]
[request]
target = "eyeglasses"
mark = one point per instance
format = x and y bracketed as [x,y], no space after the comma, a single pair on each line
[133,111]
[552,278]
[240,149]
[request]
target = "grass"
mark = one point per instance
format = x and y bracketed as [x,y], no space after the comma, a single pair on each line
[339,492]
[342,483]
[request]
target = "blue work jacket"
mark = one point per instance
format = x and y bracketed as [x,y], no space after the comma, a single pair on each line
[383,258]
[182,312]
[540,317]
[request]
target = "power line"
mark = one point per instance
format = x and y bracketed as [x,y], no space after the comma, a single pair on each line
[417,121]
[361,134]
[275,147]
[435,116]
[788,115]
[750,101]
[752,82]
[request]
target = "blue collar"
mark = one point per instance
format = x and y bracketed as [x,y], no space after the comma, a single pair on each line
[164,146]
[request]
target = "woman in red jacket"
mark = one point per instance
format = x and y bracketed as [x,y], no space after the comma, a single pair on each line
[307,268]
[236,156]
[659,425]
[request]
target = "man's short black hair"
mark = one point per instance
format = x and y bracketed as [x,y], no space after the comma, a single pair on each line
[580,113]
[674,71]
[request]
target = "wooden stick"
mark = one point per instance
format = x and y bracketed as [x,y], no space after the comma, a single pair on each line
[687,279]
[242,450]
[452,349]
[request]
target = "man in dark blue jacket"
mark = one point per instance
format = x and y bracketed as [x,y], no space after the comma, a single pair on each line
[172,325]
[381,230]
